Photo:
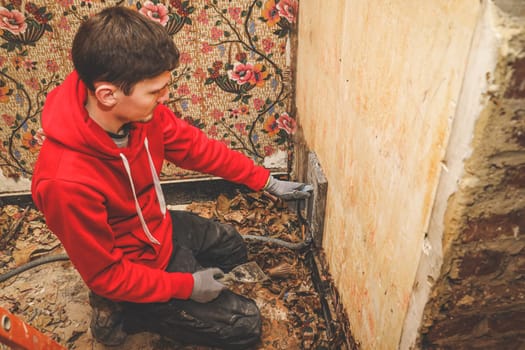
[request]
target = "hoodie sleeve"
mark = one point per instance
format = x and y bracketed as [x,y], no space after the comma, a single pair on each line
[77,215]
[189,148]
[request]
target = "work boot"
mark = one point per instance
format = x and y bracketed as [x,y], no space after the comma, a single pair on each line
[107,321]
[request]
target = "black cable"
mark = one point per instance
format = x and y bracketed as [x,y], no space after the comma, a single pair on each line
[31,264]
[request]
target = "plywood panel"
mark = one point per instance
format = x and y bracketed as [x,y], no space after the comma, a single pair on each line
[377,85]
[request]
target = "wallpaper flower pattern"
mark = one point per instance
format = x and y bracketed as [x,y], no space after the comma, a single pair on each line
[233,82]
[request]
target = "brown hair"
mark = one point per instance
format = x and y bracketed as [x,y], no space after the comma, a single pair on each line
[123,47]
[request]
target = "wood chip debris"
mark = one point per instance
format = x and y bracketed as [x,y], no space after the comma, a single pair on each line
[53,298]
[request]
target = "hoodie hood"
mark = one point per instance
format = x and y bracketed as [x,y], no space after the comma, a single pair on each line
[65,120]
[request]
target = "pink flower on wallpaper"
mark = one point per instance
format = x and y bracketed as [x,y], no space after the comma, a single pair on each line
[248,73]
[241,128]
[258,103]
[64,24]
[206,48]
[9,120]
[65,3]
[213,131]
[217,114]
[268,44]
[287,123]
[33,83]
[216,33]
[29,65]
[183,90]
[271,126]
[196,99]
[185,58]
[268,150]
[242,110]
[270,13]
[13,21]
[235,14]
[158,13]
[199,73]
[203,17]
[52,66]
[288,9]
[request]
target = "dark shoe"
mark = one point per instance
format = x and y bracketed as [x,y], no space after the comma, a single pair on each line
[106,321]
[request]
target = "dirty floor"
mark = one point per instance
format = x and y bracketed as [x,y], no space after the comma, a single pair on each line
[52,297]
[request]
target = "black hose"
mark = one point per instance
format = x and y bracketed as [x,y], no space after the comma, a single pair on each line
[31,264]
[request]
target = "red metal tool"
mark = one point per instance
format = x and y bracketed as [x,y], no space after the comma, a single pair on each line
[18,335]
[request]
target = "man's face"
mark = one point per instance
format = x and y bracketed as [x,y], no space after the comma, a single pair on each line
[144,97]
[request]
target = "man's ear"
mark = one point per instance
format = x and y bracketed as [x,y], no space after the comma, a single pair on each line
[105,94]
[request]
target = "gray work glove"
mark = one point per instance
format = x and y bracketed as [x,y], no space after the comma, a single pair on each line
[288,190]
[205,286]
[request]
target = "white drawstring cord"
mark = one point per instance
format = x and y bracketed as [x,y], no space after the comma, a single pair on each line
[137,206]
[156,181]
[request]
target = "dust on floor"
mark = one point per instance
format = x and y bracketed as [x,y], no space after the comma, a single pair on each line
[53,298]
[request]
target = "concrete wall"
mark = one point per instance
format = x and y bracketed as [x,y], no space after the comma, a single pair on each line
[377,87]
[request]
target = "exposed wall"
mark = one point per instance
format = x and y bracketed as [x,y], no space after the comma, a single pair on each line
[377,85]
[472,100]
[478,301]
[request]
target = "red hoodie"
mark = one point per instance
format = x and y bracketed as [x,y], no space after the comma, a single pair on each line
[94,204]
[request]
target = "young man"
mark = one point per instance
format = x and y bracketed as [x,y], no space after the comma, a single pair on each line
[96,181]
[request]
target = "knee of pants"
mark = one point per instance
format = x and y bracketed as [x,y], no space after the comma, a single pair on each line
[245,331]
[230,321]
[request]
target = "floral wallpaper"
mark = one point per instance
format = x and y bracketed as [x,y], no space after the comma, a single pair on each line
[233,82]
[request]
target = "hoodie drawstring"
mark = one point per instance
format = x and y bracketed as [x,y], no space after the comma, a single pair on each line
[158,190]
[156,181]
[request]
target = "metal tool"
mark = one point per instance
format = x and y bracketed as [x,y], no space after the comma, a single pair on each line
[249,272]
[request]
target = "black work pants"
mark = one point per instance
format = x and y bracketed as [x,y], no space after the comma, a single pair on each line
[231,321]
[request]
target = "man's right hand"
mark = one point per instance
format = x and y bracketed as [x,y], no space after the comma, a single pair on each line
[288,190]
[205,286]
